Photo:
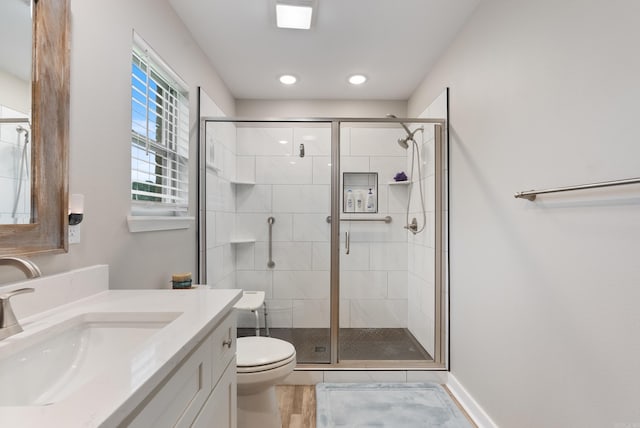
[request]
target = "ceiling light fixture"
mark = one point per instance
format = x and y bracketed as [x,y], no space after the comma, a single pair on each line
[296,14]
[288,79]
[357,79]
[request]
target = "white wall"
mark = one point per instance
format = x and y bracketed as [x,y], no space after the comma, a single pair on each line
[318,108]
[544,294]
[100,129]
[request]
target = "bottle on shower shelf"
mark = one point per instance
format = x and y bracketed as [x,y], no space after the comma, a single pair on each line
[359,202]
[350,203]
[371,202]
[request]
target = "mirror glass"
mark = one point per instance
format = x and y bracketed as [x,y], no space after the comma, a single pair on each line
[15,111]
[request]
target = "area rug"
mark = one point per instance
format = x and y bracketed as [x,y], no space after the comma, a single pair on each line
[394,405]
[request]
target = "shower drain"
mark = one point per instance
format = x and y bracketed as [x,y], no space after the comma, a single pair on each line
[320,349]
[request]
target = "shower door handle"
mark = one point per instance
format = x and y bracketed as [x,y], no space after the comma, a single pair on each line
[346,242]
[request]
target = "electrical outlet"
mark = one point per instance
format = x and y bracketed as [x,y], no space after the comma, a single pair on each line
[74,234]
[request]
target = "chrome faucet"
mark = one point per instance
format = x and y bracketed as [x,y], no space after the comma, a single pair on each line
[9,324]
[27,266]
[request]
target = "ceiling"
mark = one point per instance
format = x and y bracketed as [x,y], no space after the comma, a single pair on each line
[392,42]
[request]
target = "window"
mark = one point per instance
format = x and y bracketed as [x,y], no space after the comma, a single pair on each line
[159,136]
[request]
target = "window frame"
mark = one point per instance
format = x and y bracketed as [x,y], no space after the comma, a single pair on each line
[160,143]
[164,157]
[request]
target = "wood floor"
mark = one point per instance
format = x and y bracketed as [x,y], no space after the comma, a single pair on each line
[297,405]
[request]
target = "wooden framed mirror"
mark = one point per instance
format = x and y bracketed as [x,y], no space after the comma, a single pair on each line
[46,232]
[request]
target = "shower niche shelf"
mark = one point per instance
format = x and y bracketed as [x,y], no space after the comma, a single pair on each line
[359,183]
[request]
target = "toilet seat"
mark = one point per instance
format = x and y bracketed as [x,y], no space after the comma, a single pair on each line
[256,369]
[257,353]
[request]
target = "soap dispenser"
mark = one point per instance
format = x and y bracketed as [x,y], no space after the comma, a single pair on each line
[371,202]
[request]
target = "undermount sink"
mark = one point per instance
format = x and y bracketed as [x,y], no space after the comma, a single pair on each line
[45,367]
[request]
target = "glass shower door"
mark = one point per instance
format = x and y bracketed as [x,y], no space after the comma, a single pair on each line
[384,283]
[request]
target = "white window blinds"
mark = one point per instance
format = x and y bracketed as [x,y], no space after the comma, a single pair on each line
[159,136]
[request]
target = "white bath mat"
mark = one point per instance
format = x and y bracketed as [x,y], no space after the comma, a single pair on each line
[393,405]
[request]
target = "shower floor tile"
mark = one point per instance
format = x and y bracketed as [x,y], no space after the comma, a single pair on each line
[312,344]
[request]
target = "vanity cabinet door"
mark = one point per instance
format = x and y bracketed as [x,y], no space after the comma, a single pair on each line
[179,399]
[224,345]
[220,409]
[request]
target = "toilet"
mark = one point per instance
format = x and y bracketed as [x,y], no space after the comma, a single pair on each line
[262,362]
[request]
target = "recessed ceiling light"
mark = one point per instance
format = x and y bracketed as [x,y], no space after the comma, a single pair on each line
[283,142]
[288,79]
[294,14]
[357,79]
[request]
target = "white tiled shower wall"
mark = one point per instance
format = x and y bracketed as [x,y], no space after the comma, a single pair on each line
[11,147]
[374,274]
[221,205]
[271,179]
[296,192]
[421,247]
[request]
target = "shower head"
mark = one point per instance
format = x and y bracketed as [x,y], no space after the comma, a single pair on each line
[403,142]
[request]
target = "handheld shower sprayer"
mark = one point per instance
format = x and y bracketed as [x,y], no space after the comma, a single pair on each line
[415,152]
[20,129]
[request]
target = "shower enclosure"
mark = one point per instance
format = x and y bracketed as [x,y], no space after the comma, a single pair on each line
[308,211]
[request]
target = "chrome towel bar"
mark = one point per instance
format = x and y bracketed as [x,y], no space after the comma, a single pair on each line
[386,219]
[531,194]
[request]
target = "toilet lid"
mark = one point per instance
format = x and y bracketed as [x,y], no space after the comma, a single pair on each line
[257,351]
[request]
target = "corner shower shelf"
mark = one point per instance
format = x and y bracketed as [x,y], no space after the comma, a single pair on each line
[242,240]
[398,183]
[244,182]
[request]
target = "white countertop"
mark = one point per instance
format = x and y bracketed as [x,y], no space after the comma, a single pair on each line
[116,392]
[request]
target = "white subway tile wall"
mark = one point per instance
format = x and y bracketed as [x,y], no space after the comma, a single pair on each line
[221,201]
[421,247]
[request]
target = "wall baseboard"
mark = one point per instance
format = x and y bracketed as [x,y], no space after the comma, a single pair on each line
[470,405]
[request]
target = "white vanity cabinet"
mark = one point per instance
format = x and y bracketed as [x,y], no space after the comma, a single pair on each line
[201,390]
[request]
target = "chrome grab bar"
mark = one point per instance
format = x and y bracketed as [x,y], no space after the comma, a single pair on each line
[531,194]
[386,219]
[271,263]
